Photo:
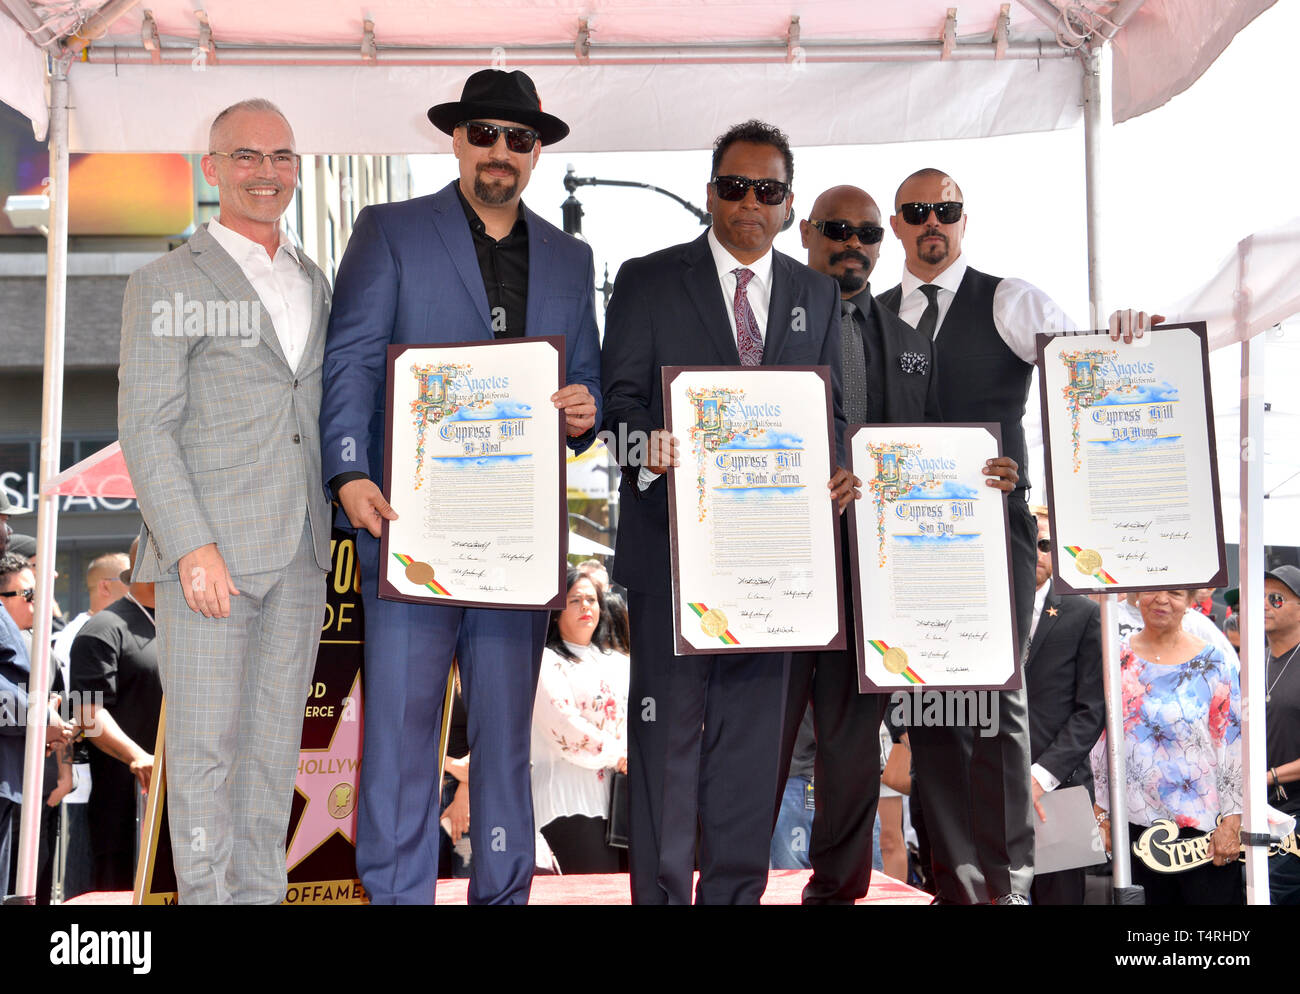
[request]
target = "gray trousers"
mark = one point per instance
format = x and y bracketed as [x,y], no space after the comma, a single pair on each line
[235,690]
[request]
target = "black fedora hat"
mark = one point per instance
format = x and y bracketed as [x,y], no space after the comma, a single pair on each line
[503,96]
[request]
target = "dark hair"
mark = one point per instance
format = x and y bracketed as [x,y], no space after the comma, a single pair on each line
[599,638]
[620,634]
[11,564]
[757,133]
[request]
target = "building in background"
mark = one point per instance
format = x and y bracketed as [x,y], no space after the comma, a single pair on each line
[124,211]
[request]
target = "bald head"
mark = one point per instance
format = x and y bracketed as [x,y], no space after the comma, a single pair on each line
[102,580]
[851,261]
[219,135]
[947,185]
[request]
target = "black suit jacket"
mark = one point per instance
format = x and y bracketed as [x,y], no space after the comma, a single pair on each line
[1067,710]
[910,394]
[668,310]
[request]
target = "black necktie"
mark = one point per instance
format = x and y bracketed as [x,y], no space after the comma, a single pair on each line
[855,367]
[930,316]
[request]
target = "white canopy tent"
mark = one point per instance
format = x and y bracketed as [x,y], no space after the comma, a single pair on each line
[884,71]
[627,75]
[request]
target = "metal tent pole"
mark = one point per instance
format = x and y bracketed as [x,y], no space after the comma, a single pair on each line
[38,688]
[1096,123]
[1254,760]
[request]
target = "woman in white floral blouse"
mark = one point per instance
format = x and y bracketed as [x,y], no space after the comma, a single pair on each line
[579,733]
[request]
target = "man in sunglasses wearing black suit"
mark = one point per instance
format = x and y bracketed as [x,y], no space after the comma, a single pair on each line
[705,731]
[888,375]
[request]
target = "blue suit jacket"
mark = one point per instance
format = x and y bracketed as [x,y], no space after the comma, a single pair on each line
[410,275]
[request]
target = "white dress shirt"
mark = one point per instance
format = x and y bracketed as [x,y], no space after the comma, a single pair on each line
[758,292]
[1020,309]
[283,286]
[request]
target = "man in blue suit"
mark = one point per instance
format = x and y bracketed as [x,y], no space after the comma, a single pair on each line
[468,263]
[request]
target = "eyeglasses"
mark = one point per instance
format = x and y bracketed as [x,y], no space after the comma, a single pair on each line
[248,158]
[842,231]
[483,135]
[1044,545]
[26,594]
[1275,600]
[768,192]
[947,212]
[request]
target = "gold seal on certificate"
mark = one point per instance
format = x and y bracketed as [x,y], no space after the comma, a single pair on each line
[1088,561]
[714,622]
[894,660]
[420,573]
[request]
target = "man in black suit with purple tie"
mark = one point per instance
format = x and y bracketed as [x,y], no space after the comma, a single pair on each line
[705,731]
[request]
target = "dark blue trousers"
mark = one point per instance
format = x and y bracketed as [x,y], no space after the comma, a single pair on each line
[409,650]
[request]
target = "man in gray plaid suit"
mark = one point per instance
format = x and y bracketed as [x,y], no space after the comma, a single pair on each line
[219,395]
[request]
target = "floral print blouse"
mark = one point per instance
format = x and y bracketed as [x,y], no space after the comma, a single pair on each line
[1182,740]
[579,732]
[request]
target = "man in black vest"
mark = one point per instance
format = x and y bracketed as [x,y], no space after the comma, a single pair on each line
[975,787]
[842,236]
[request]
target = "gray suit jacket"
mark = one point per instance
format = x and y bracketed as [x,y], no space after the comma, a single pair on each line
[220,435]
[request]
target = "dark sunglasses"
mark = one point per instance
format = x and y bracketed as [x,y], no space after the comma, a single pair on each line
[30,592]
[842,231]
[948,212]
[1044,545]
[1275,600]
[484,135]
[768,192]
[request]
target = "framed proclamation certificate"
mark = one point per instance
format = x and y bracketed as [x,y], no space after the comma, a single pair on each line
[474,468]
[755,540]
[930,552]
[1131,472]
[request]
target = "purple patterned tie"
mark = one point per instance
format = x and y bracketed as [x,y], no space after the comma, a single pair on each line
[749,341]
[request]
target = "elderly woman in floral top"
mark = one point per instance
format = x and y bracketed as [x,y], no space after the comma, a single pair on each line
[579,732]
[1182,750]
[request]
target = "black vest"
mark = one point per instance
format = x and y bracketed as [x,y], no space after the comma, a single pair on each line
[979,377]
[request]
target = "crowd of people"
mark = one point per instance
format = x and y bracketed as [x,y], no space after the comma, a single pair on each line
[563,716]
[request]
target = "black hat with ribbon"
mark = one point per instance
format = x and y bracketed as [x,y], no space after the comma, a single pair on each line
[501,96]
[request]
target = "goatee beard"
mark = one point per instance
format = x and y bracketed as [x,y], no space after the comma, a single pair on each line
[494,195]
[851,282]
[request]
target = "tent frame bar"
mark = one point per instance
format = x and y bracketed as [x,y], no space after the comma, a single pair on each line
[182,52]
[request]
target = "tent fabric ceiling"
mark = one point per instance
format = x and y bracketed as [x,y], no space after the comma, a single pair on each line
[652,97]
[166,108]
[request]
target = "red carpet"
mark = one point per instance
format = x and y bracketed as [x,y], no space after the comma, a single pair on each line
[783,887]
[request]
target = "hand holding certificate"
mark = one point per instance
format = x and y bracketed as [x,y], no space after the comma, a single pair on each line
[930,556]
[475,469]
[755,544]
[1130,458]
